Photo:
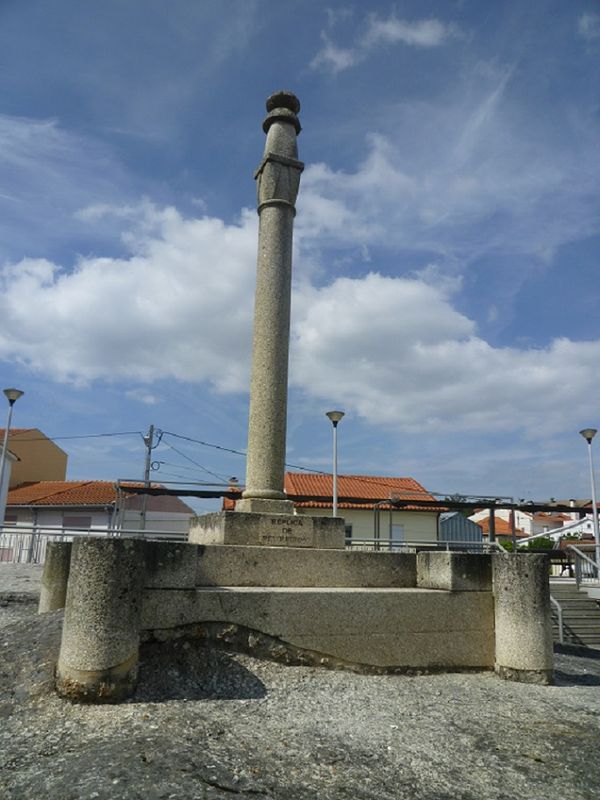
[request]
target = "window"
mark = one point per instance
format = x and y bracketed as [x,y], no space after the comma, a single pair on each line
[396,536]
[10,519]
[83,522]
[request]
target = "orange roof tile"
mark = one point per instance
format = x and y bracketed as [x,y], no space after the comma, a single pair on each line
[87,493]
[502,527]
[371,488]
[63,493]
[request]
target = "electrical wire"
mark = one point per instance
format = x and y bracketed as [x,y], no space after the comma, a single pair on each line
[191,460]
[17,438]
[239,452]
[364,478]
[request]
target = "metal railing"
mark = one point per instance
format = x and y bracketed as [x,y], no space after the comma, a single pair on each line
[586,569]
[559,616]
[26,544]
[407,546]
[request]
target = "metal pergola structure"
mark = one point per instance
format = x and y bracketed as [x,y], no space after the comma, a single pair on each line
[394,502]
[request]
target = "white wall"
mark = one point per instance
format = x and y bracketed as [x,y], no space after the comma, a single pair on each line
[419,526]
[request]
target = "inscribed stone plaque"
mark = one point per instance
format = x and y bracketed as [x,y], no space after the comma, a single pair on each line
[289,531]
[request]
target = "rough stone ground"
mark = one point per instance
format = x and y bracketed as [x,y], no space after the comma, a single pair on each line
[209,724]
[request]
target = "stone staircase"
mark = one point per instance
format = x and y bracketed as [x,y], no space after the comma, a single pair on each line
[581,615]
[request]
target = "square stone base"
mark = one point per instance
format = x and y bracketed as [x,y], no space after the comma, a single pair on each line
[271,530]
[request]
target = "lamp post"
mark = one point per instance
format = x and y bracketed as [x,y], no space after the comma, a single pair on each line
[335,417]
[12,395]
[588,434]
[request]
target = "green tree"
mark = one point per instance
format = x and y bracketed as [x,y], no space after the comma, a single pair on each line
[543,543]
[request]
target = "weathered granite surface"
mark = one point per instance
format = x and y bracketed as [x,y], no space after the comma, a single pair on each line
[209,724]
[278,180]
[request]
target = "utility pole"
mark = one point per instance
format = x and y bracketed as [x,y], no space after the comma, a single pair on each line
[149,442]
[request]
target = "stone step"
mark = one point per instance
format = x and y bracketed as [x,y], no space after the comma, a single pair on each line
[406,628]
[177,565]
[581,616]
[189,566]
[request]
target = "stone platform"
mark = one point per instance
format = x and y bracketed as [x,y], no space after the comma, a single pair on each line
[388,612]
[388,629]
[272,530]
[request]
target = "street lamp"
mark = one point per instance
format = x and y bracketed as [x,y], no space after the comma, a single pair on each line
[588,434]
[335,417]
[12,395]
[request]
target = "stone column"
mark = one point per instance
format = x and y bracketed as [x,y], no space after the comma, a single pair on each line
[55,577]
[524,650]
[278,177]
[98,657]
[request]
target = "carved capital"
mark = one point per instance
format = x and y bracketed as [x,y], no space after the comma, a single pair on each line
[278,179]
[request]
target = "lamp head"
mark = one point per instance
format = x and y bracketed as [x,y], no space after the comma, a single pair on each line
[12,395]
[334,416]
[588,434]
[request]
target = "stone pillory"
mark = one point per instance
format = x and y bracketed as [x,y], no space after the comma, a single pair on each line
[279,584]
[278,180]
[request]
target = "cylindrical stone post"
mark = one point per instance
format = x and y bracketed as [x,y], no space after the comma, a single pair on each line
[53,591]
[278,177]
[98,658]
[524,649]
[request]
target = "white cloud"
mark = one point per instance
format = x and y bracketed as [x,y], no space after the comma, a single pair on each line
[333,57]
[394,350]
[178,307]
[420,33]
[143,396]
[398,353]
[377,32]
[588,26]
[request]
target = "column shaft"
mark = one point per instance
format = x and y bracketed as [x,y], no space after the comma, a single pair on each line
[268,389]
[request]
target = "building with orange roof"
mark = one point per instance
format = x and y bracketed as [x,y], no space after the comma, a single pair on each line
[40,499]
[527,522]
[91,504]
[50,507]
[362,504]
[502,527]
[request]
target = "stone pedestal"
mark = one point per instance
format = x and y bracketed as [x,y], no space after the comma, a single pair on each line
[454,572]
[98,657]
[524,649]
[55,577]
[260,505]
[272,530]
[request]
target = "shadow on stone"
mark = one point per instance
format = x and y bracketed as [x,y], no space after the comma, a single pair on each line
[184,669]
[582,668]
[575,678]
[578,650]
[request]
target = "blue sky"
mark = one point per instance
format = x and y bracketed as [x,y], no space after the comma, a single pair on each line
[446,268]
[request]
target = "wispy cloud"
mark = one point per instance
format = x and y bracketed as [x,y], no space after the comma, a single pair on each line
[588,26]
[391,31]
[46,174]
[476,174]
[419,33]
[335,58]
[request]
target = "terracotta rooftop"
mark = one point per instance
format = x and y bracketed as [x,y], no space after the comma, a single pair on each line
[78,493]
[371,488]
[502,527]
